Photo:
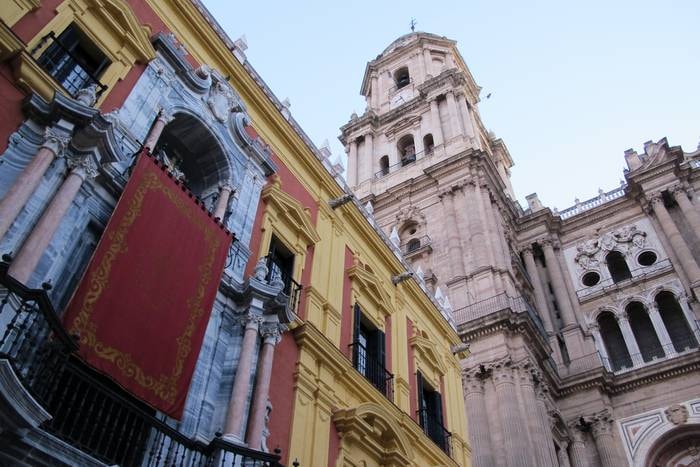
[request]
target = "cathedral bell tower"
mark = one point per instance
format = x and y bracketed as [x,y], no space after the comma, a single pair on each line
[421,155]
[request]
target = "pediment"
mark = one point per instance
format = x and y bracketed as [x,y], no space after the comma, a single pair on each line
[122,19]
[290,211]
[370,284]
[428,352]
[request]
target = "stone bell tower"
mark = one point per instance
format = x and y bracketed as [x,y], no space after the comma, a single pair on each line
[421,155]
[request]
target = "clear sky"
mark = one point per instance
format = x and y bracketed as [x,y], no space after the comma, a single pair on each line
[573,84]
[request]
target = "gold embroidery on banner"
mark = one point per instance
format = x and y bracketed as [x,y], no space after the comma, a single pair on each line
[163,386]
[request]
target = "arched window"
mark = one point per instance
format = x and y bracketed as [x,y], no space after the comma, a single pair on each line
[428,143]
[401,77]
[676,325]
[614,342]
[407,150]
[412,245]
[617,266]
[644,333]
[384,165]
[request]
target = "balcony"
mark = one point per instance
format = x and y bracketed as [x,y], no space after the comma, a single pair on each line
[81,407]
[639,274]
[408,160]
[498,303]
[372,369]
[292,288]
[416,246]
[435,431]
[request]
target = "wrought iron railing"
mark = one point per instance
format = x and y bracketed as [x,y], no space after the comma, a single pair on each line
[433,428]
[499,303]
[292,288]
[66,67]
[372,369]
[636,274]
[415,244]
[408,160]
[88,411]
[622,361]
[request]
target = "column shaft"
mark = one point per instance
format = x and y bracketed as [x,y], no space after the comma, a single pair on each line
[454,115]
[513,428]
[222,202]
[453,241]
[630,341]
[540,299]
[537,433]
[435,122]
[560,292]
[163,118]
[256,422]
[241,384]
[352,163]
[367,165]
[33,248]
[577,452]
[661,331]
[478,419]
[680,247]
[427,60]
[689,212]
[605,445]
[466,116]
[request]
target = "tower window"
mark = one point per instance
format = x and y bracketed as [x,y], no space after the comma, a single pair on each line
[401,77]
[384,165]
[619,271]
[412,245]
[73,60]
[407,150]
[428,143]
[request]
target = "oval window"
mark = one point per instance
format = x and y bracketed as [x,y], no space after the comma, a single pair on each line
[646,258]
[590,279]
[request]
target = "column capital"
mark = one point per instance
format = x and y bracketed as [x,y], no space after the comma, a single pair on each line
[83,166]
[251,321]
[679,189]
[503,373]
[575,430]
[271,332]
[87,95]
[622,318]
[602,424]
[55,141]
[472,384]
[527,250]
[165,115]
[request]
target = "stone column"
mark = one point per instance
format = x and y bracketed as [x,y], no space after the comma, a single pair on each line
[34,246]
[233,430]
[537,432]
[540,298]
[428,61]
[454,244]
[367,167]
[438,138]
[680,247]
[689,315]
[222,201]
[541,395]
[466,116]
[512,426]
[602,434]
[630,341]
[256,421]
[556,277]
[577,447]
[476,223]
[689,212]
[164,117]
[454,114]
[374,89]
[478,418]
[600,345]
[22,189]
[661,331]
[352,163]
[562,456]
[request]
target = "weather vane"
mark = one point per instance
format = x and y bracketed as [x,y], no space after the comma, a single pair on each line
[413,24]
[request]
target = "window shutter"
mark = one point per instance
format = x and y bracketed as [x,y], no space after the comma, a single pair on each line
[356,318]
[437,401]
[421,401]
[380,372]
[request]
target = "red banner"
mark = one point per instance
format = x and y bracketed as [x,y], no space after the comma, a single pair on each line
[142,307]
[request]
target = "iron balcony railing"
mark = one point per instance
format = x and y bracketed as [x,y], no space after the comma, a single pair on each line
[621,362]
[65,67]
[88,411]
[433,428]
[292,288]
[415,244]
[636,274]
[372,369]
[499,303]
[403,162]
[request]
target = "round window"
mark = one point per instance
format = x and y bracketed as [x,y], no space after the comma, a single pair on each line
[646,258]
[590,279]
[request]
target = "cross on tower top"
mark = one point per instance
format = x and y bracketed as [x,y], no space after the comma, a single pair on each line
[413,24]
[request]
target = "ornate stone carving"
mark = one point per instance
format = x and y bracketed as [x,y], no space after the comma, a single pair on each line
[590,253]
[251,320]
[677,414]
[260,271]
[601,424]
[87,95]
[472,384]
[83,166]
[271,332]
[222,100]
[55,142]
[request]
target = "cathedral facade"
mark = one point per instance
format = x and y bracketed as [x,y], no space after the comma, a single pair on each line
[582,323]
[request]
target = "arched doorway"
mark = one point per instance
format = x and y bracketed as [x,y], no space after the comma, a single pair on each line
[190,147]
[678,448]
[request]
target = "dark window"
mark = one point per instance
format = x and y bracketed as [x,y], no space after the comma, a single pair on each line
[565,358]
[407,150]
[428,143]
[430,414]
[384,165]
[614,342]
[647,258]
[644,333]
[368,353]
[402,77]
[412,245]
[617,266]
[590,279]
[677,327]
[280,265]
[73,60]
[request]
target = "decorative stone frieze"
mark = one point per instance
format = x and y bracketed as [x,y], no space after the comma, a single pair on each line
[677,414]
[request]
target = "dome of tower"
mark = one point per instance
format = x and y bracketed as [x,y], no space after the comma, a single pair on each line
[407,39]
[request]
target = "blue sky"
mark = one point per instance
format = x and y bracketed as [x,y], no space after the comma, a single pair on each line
[573,84]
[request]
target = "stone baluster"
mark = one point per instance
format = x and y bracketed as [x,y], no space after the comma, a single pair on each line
[22,189]
[556,277]
[602,434]
[222,201]
[577,447]
[22,267]
[454,114]
[256,421]
[689,212]
[512,426]
[438,137]
[233,430]
[539,438]
[630,341]
[540,297]
[661,331]
[352,163]
[454,244]
[478,418]
[164,117]
[680,247]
